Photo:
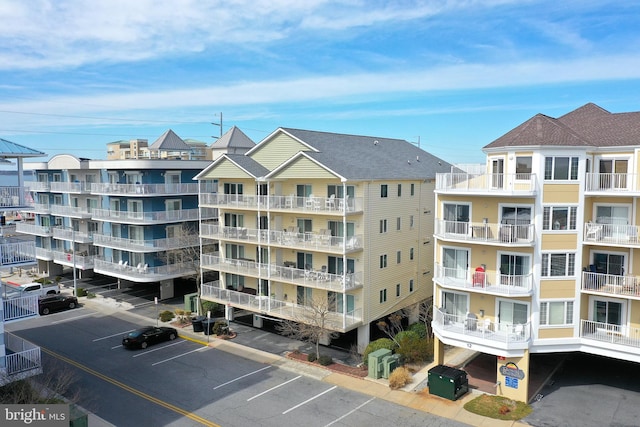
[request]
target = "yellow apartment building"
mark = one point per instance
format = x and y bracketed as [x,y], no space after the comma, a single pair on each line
[541,252]
[310,216]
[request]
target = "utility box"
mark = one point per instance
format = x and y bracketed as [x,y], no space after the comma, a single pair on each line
[447,382]
[375,362]
[389,363]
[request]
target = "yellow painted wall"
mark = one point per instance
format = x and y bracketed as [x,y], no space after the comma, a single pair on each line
[561,193]
[555,333]
[227,170]
[559,241]
[520,363]
[557,288]
[306,169]
[277,150]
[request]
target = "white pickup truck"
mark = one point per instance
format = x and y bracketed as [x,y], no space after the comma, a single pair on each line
[18,290]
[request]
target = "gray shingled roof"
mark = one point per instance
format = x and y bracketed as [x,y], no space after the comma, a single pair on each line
[248,164]
[169,141]
[234,138]
[366,157]
[589,125]
[13,150]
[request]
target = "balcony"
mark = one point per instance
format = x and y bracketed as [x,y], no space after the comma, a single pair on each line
[611,284]
[22,360]
[71,211]
[14,198]
[20,307]
[611,184]
[40,208]
[37,186]
[143,273]
[144,190]
[70,235]
[44,254]
[150,217]
[336,321]
[16,253]
[610,334]
[503,184]
[320,241]
[469,329]
[70,187]
[486,282]
[291,203]
[82,262]
[485,233]
[152,245]
[36,230]
[284,273]
[612,234]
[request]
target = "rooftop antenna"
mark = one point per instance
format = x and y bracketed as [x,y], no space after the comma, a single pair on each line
[218,124]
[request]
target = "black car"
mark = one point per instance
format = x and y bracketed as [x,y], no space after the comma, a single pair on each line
[56,302]
[147,335]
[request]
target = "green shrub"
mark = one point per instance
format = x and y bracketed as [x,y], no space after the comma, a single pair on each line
[166,316]
[211,306]
[325,360]
[414,349]
[419,328]
[377,345]
[82,292]
[220,328]
[91,295]
[400,336]
[311,357]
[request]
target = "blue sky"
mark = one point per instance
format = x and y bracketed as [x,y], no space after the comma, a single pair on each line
[453,74]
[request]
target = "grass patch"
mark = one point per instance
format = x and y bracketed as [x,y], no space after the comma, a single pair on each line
[498,407]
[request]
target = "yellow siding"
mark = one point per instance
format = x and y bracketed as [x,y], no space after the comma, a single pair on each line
[559,241]
[561,193]
[555,333]
[277,150]
[304,168]
[226,169]
[550,289]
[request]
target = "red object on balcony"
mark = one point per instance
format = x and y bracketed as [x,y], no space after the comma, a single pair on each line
[68,257]
[478,277]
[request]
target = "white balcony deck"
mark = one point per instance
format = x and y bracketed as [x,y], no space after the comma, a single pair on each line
[143,273]
[489,233]
[66,234]
[152,245]
[341,322]
[611,184]
[17,253]
[482,331]
[488,282]
[82,262]
[41,208]
[44,254]
[23,360]
[150,217]
[20,307]
[37,186]
[504,184]
[36,230]
[280,273]
[144,190]
[311,205]
[71,211]
[611,284]
[610,334]
[313,241]
[612,234]
[70,187]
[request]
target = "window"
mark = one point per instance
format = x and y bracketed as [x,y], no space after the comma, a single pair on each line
[559,218]
[383,226]
[456,218]
[411,254]
[398,223]
[556,313]
[398,257]
[523,165]
[398,290]
[383,261]
[560,168]
[411,222]
[411,285]
[383,190]
[399,190]
[413,189]
[555,265]
[383,296]
[232,188]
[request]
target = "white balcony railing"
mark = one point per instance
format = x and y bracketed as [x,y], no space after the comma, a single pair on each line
[37,230]
[612,234]
[20,307]
[70,235]
[312,204]
[82,262]
[37,186]
[43,208]
[16,253]
[611,284]
[276,308]
[12,198]
[149,217]
[484,281]
[144,189]
[44,254]
[70,187]
[517,184]
[611,183]
[322,240]
[73,211]
[22,361]
[311,278]
[485,232]
[610,333]
[143,273]
[152,245]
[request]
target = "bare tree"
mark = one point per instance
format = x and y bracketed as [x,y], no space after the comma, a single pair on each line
[312,323]
[392,326]
[425,314]
[57,380]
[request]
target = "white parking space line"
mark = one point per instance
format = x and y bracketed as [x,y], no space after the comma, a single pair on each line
[180,355]
[349,413]
[118,346]
[114,335]
[69,319]
[273,388]
[239,378]
[159,348]
[309,400]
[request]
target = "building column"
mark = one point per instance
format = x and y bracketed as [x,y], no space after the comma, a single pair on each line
[438,351]
[257,321]
[166,289]
[228,313]
[513,377]
[363,337]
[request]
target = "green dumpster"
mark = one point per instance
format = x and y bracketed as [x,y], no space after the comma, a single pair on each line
[447,382]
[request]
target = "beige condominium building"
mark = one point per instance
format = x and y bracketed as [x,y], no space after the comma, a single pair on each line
[308,217]
[541,252]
